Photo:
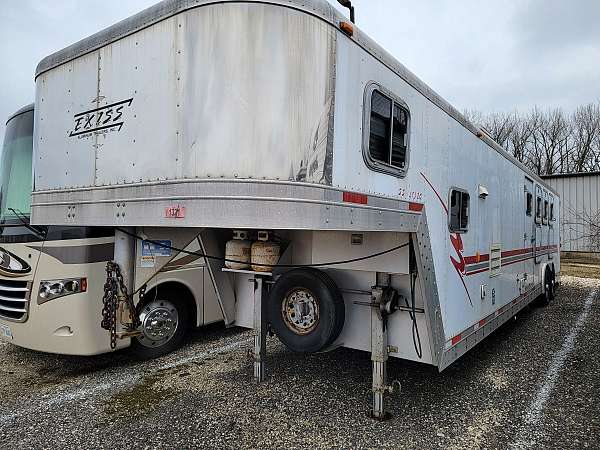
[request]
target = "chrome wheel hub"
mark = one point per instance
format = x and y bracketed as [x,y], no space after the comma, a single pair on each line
[159,320]
[300,311]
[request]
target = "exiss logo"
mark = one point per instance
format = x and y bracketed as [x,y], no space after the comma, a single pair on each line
[106,119]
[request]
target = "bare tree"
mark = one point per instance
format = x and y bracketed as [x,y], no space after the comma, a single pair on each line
[520,138]
[549,138]
[585,226]
[547,142]
[586,137]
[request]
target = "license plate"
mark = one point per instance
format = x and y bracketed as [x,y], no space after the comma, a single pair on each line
[5,332]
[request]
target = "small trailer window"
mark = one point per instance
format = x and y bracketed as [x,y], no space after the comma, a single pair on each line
[552,212]
[386,145]
[529,205]
[459,211]
[545,212]
[380,130]
[538,209]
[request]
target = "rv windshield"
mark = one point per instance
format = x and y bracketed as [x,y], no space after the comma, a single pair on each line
[15,169]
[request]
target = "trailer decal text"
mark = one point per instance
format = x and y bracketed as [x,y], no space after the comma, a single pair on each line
[105,119]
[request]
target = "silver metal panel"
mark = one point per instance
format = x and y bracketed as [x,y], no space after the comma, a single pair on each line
[579,202]
[319,8]
[428,283]
[223,204]
[474,335]
[159,105]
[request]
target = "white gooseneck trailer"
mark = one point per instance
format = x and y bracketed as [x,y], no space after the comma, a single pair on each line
[404,230]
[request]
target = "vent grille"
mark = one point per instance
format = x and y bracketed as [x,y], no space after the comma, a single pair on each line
[495,260]
[14,299]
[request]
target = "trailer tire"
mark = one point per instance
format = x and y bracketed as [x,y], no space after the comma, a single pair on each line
[549,292]
[150,345]
[306,310]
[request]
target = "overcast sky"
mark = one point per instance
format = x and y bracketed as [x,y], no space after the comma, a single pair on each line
[478,54]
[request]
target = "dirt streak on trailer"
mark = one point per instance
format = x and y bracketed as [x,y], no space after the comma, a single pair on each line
[283,116]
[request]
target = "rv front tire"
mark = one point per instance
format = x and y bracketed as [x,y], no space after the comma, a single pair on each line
[165,323]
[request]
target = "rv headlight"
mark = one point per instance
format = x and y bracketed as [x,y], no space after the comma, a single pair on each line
[51,289]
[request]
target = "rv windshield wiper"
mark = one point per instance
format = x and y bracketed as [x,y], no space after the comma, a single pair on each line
[41,232]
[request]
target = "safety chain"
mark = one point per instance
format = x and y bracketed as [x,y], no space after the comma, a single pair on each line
[110,302]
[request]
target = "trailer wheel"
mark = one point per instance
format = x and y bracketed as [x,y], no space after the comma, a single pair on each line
[164,326]
[548,294]
[306,310]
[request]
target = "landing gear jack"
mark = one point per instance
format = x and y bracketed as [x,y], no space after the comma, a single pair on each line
[260,329]
[383,303]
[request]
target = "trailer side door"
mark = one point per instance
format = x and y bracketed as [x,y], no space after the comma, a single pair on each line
[537,226]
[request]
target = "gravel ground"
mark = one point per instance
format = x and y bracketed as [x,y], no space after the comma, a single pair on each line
[534,383]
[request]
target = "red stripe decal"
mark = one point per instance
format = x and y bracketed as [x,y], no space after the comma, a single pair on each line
[482,322]
[473,259]
[519,251]
[353,197]
[456,339]
[435,192]
[415,207]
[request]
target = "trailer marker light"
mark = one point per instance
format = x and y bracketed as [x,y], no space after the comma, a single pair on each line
[456,339]
[347,28]
[353,197]
[415,207]
[83,285]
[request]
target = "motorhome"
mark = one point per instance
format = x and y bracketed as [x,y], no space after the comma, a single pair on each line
[390,223]
[52,277]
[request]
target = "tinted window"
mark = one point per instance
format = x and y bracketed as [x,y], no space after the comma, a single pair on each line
[379,137]
[388,134]
[399,130]
[529,203]
[459,211]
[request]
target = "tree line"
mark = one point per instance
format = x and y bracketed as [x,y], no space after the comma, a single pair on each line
[548,142]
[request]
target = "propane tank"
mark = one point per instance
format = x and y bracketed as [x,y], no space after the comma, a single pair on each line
[264,252]
[238,249]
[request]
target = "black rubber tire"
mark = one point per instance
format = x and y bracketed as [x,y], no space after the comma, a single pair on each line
[332,312]
[548,294]
[142,352]
[341,314]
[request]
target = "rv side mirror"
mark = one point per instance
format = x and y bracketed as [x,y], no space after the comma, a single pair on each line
[483,192]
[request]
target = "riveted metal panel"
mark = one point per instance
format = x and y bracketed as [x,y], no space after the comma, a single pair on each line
[579,204]
[223,204]
[159,105]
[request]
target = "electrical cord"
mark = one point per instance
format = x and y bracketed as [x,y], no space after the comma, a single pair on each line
[413,313]
[297,266]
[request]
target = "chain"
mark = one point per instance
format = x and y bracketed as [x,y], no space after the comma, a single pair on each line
[110,302]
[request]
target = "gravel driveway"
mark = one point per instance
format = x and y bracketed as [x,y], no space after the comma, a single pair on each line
[534,383]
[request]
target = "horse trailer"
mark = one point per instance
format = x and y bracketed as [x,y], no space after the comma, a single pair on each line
[368,212]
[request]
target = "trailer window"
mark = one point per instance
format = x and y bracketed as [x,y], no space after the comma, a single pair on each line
[552,212]
[386,144]
[380,131]
[459,211]
[538,209]
[545,211]
[529,203]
